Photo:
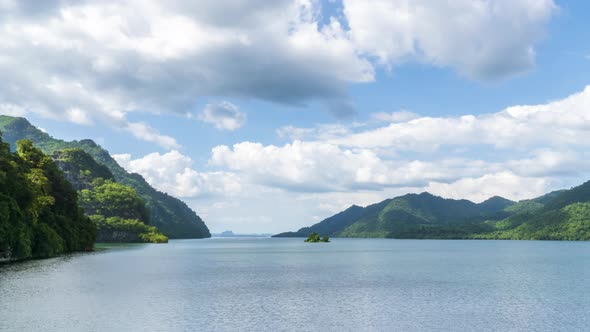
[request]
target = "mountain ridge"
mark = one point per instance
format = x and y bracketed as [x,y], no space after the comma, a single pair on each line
[170,215]
[558,215]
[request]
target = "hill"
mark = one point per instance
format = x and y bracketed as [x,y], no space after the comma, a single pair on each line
[169,214]
[409,216]
[39,212]
[559,215]
[117,210]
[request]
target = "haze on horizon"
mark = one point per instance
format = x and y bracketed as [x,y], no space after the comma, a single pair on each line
[265,116]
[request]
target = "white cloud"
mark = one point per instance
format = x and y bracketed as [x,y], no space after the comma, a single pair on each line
[104,59]
[323,167]
[172,172]
[223,115]
[12,110]
[401,116]
[505,184]
[480,39]
[78,116]
[330,167]
[530,143]
[559,123]
[145,132]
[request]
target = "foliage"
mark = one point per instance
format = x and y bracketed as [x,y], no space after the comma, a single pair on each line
[111,199]
[172,216]
[116,229]
[118,211]
[315,237]
[39,212]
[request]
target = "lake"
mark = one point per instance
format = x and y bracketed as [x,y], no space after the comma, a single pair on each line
[288,285]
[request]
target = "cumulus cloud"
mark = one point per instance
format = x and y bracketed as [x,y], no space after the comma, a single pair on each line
[505,184]
[564,122]
[106,57]
[172,172]
[326,168]
[528,144]
[223,115]
[90,61]
[480,39]
[147,133]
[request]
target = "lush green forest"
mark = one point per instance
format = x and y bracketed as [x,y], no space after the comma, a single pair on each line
[560,215]
[39,212]
[169,214]
[118,211]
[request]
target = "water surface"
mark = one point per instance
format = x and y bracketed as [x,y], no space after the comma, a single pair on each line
[287,285]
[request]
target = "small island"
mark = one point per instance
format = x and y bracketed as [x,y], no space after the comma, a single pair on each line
[315,237]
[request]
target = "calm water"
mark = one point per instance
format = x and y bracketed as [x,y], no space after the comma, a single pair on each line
[288,285]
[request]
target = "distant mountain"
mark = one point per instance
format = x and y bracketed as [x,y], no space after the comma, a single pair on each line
[559,215]
[403,216]
[232,234]
[170,215]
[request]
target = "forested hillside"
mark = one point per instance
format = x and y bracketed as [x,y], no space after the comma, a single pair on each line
[39,212]
[169,214]
[118,211]
[559,215]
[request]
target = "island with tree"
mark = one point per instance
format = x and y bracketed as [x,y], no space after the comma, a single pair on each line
[315,237]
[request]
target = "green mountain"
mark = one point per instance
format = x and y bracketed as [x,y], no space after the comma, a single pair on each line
[329,226]
[39,212]
[170,215]
[117,210]
[560,215]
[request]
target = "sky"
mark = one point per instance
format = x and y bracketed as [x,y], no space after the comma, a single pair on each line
[267,116]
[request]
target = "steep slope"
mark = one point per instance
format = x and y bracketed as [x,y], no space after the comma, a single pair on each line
[117,210]
[39,212]
[170,215]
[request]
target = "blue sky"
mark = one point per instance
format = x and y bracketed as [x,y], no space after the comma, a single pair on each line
[267,117]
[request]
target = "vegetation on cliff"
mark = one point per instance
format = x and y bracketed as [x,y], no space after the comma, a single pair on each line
[118,211]
[169,214]
[39,212]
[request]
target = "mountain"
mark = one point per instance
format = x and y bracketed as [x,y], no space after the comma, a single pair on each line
[39,212]
[232,234]
[169,214]
[411,215]
[559,215]
[117,210]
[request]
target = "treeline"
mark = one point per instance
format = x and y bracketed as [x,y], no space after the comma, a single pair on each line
[39,212]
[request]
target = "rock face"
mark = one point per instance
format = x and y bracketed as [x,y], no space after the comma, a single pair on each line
[79,168]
